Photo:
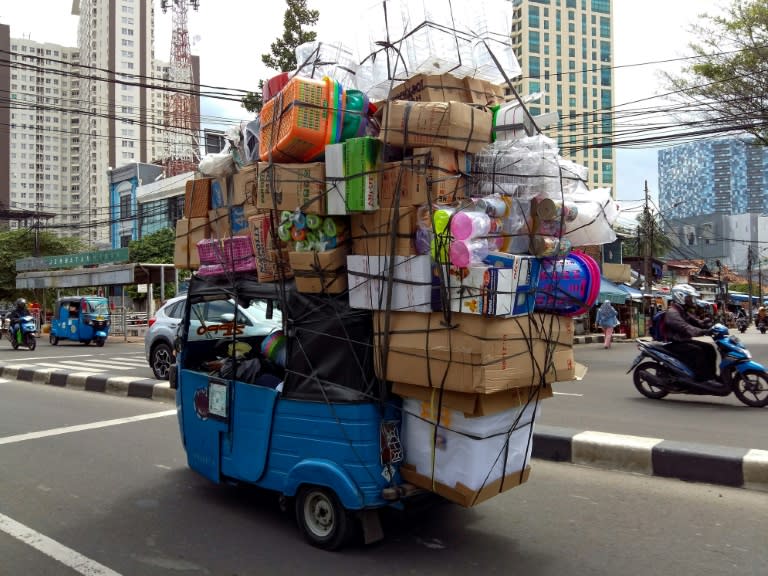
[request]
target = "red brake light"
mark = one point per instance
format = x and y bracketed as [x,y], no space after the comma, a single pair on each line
[151,321]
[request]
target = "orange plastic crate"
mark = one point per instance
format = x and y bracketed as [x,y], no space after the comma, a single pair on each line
[295,123]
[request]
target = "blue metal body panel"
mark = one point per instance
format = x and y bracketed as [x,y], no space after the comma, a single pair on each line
[280,444]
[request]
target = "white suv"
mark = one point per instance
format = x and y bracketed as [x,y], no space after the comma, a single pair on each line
[158,340]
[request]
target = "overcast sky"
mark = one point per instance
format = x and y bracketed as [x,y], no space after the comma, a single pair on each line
[229,36]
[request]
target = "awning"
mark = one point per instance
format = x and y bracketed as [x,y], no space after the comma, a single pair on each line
[633,293]
[609,291]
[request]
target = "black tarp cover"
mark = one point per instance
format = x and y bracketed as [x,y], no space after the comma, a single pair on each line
[330,345]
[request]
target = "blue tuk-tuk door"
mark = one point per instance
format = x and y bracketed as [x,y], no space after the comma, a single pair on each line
[226,426]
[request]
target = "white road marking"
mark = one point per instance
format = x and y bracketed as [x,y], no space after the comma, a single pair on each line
[74,560]
[566,394]
[82,427]
[59,366]
[92,364]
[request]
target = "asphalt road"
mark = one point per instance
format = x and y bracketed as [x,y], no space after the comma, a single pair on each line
[606,401]
[116,497]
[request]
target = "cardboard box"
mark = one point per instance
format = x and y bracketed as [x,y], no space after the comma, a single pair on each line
[472,354]
[432,88]
[361,159]
[244,185]
[272,263]
[508,290]
[221,193]
[369,282]
[372,232]
[447,124]
[396,185]
[189,231]
[461,494]
[228,221]
[336,199]
[197,198]
[454,450]
[292,186]
[320,272]
[473,404]
[483,92]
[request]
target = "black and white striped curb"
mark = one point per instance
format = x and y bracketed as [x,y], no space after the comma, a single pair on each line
[723,465]
[600,338]
[738,467]
[116,385]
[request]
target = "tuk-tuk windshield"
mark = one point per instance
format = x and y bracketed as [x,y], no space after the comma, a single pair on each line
[98,306]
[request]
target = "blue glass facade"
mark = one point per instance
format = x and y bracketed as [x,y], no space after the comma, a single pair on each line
[724,176]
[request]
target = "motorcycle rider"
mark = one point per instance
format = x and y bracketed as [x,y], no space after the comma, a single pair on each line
[20,310]
[681,327]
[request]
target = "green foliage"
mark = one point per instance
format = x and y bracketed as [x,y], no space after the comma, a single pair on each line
[17,244]
[726,80]
[283,57]
[155,248]
[649,235]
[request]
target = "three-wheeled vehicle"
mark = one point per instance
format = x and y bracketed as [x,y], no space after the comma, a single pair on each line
[316,426]
[84,319]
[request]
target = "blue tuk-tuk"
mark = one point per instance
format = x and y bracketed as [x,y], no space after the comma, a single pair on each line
[84,319]
[310,421]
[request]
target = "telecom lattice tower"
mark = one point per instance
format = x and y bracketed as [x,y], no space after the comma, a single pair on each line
[182,156]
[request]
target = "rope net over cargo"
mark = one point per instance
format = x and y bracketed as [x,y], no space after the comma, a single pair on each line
[422,250]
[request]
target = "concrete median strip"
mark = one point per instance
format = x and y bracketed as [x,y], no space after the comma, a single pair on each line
[722,465]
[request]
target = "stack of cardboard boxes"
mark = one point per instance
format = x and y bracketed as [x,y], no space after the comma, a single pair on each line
[465,349]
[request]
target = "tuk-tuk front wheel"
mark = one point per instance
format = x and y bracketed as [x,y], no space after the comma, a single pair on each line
[100,342]
[322,518]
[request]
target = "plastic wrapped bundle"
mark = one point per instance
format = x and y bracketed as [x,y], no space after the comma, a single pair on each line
[597,211]
[333,59]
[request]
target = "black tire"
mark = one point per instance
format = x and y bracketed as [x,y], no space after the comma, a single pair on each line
[323,520]
[31,341]
[641,383]
[14,343]
[751,388]
[100,342]
[54,340]
[161,359]
[85,342]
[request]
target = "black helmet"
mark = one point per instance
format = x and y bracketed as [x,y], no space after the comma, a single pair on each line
[21,303]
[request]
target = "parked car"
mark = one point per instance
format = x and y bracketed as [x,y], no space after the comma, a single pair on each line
[207,322]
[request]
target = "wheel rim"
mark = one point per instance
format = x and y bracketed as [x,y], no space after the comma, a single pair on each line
[318,514]
[643,385]
[162,362]
[753,389]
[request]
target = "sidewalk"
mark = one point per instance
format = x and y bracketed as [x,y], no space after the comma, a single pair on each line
[720,465]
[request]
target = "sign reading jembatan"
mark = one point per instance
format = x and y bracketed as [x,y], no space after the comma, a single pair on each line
[114,256]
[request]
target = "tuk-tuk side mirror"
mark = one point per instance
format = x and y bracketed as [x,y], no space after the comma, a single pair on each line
[228,317]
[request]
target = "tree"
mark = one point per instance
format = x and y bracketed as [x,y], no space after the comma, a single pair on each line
[283,50]
[727,80]
[18,244]
[649,230]
[156,248]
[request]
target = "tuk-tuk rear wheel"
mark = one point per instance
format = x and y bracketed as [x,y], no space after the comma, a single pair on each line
[53,339]
[322,518]
[100,342]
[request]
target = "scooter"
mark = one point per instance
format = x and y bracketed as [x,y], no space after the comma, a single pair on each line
[742,324]
[658,373]
[25,333]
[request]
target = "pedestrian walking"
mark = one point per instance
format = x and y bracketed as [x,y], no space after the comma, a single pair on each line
[607,319]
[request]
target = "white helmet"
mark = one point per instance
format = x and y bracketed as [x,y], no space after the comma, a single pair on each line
[681,291]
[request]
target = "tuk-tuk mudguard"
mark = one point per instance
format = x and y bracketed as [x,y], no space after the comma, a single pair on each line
[324,473]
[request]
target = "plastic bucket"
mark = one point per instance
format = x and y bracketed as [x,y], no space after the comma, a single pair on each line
[568,286]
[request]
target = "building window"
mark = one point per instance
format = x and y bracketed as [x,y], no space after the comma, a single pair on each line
[533,16]
[534,42]
[602,6]
[605,27]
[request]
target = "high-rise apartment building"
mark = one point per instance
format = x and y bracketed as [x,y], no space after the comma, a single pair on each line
[78,113]
[565,49]
[712,196]
[41,138]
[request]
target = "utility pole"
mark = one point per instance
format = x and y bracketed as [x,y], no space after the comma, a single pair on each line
[749,280]
[647,245]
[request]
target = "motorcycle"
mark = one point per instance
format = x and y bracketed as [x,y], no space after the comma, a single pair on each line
[25,333]
[658,373]
[742,324]
[762,326]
